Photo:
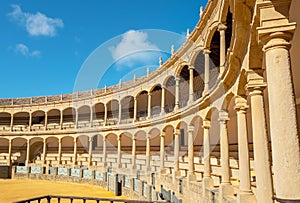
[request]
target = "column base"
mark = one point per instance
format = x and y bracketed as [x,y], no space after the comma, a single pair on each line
[246,198]
[207,183]
[225,189]
[191,176]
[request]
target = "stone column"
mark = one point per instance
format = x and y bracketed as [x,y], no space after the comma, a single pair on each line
[191,171]
[44,150]
[76,118]
[59,151]
[282,107]
[135,109]
[162,152]
[243,150]
[91,117]
[30,121]
[207,180]
[9,152]
[90,150]
[105,114]
[177,80]
[221,29]
[255,86]
[148,158]
[27,153]
[206,71]
[120,112]
[176,153]
[162,112]
[12,122]
[133,152]
[191,84]
[104,152]
[75,152]
[149,105]
[224,144]
[46,120]
[61,119]
[119,152]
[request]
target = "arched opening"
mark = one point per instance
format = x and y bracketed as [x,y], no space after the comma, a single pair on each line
[82,150]
[18,149]
[127,109]
[5,121]
[170,94]
[142,105]
[199,75]
[53,119]
[112,112]
[38,120]
[184,86]
[169,139]
[52,151]
[69,117]
[84,117]
[36,150]
[67,150]
[4,157]
[21,121]
[98,115]
[156,95]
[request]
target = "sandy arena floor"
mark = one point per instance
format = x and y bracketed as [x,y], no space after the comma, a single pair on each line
[14,190]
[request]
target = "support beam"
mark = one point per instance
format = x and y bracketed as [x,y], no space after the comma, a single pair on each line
[221,29]
[148,158]
[177,81]
[119,165]
[191,171]
[104,152]
[27,152]
[162,112]
[191,85]
[44,150]
[133,158]
[59,151]
[162,152]
[206,71]
[90,151]
[75,152]
[176,153]
[149,104]
[135,109]
[9,151]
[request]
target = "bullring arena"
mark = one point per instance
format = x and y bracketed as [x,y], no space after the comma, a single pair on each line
[216,122]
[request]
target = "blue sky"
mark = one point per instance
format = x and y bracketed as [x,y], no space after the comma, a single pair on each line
[46,46]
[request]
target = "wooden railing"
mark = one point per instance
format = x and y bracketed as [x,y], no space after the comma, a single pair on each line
[48,198]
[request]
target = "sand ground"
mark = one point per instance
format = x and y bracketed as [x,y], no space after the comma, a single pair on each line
[14,190]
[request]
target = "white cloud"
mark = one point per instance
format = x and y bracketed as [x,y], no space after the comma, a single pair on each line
[36,24]
[132,41]
[24,50]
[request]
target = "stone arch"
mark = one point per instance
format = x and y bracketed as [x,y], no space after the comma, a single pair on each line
[156,95]
[19,147]
[112,143]
[142,105]
[168,130]
[67,144]
[141,139]
[84,113]
[127,109]
[169,94]
[126,142]
[182,129]
[112,108]
[184,90]
[52,145]
[197,123]
[69,117]
[98,114]
[36,149]
[21,121]
[154,139]
[53,118]
[38,117]
[82,144]
[5,121]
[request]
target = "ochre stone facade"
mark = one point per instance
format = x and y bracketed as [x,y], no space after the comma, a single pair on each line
[216,122]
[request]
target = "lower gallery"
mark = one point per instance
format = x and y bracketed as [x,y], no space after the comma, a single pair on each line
[216,122]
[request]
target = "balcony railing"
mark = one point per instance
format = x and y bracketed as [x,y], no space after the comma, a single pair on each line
[49,198]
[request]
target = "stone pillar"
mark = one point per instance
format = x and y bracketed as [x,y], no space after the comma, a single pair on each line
[221,29]
[135,109]
[59,151]
[206,71]
[255,87]
[162,112]
[30,121]
[133,152]
[104,152]
[76,118]
[176,153]
[9,152]
[90,150]
[243,150]
[27,153]
[283,119]
[91,117]
[46,120]
[148,158]
[224,144]
[177,80]
[75,152]
[162,152]
[120,112]
[207,180]
[191,84]
[61,120]
[149,105]
[119,152]
[191,171]
[105,114]
[44,150]
[12,122]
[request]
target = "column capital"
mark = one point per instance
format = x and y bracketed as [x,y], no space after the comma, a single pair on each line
[91,139]
[191,129]
[163,134]
[206,51]
[133,137]
[9,141]
[149,94]
[241,104]
[177,132]
[148,136]
[104,138]
[177,78]
[119,137]
[191,67]
[255,81]
[206,124]
[75,139]
[223,116]
[222,27]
